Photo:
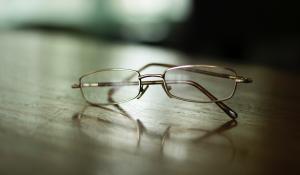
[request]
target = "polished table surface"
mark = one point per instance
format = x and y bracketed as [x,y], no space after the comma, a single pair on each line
[47,128]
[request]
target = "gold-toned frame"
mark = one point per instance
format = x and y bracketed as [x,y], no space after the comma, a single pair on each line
[231,113]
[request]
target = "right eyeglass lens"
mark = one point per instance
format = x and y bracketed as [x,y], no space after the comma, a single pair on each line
[110,86]
[200,83]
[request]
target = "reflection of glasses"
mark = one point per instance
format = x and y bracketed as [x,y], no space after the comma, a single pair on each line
[173,137]
[191,83]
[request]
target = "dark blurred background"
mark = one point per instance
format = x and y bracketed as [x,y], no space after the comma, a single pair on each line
[263,32]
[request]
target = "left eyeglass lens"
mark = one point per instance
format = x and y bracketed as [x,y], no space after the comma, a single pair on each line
[110,86]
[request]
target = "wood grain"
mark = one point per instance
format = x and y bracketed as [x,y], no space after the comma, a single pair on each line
[41,134]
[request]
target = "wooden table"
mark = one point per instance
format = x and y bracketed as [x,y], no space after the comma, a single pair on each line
[40,131]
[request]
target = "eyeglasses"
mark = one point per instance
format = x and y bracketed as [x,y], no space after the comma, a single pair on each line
[191,83]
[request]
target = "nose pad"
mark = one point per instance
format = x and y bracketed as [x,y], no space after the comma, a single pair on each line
[144,88]
[169,88]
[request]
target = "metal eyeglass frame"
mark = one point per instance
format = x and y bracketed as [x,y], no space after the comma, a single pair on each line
[143,85]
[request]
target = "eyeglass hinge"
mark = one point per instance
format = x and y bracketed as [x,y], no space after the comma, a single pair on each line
[74,86]
[240,79]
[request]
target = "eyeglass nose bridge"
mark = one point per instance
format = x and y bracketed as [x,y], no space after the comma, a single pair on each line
[151,75]
[155,82]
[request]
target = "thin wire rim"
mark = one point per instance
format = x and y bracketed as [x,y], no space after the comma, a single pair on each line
[198,101]
[104,70]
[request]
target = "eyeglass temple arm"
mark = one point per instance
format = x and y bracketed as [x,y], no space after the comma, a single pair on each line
[238,79]
[156,64]
[104,84]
